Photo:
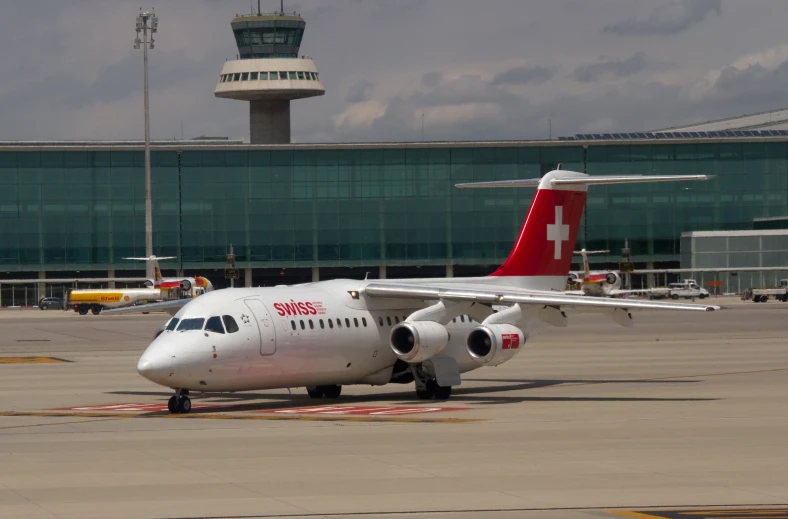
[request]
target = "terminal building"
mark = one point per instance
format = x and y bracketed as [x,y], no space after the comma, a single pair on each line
[301,212]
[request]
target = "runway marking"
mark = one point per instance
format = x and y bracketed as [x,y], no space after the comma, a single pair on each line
[728,513]
[357,410]
[258,417]
[140,408]
[31,360]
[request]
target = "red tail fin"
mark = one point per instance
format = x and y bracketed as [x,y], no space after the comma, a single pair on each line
[547,238]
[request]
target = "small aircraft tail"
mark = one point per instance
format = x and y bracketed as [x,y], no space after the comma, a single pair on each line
[584,254]
[152,269]
[546,241]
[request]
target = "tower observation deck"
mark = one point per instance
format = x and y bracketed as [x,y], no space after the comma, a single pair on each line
[269,73]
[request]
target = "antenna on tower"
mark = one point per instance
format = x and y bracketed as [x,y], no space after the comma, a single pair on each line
[282,7]
[258,8]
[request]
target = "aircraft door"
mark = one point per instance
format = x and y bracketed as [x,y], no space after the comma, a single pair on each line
[265,326]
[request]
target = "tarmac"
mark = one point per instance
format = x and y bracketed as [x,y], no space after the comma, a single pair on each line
[681,415]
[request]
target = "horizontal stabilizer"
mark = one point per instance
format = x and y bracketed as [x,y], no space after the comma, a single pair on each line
[581,179]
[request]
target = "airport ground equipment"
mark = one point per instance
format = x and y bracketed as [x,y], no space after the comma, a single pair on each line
[761,295]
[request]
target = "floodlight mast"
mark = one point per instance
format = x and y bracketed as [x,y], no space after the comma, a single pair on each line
[142,26]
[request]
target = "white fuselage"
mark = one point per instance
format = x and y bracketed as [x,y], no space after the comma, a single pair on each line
[294,336]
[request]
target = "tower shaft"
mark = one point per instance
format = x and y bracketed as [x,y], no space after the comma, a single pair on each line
[269,121]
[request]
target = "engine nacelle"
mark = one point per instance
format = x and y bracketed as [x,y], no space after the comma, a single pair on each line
[572,279]
[611,278]
[494,344]
[417,341]
[186,284]
[147,283]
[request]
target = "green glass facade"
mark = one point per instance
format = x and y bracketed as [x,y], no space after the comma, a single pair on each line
[82,208]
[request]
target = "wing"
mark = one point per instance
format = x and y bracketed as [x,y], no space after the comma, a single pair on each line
[509,296]
[171,307]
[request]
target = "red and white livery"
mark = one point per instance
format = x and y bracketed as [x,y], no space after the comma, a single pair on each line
[327,334]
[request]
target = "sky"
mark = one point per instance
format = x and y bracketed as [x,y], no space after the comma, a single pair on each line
[464,69]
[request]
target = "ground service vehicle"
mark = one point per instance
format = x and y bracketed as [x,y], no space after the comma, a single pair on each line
[325,334]
[761,295]
[687,290]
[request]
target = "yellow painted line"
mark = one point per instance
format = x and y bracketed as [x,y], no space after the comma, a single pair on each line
[217,416]
[632,513]
[30,360]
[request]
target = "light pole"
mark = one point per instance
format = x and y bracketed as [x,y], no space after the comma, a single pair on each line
[142,26]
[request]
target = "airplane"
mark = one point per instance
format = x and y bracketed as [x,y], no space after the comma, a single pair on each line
[156,288]
[154,278]
[598,283]
[326,334]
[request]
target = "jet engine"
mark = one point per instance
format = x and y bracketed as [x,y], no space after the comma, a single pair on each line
[147,283]
[417,341]
[494,344]
[186,284]
[611,278]
[572,279]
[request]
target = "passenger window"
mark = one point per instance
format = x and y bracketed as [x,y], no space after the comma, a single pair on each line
[388,320]
[462,318]
[292,323]
[191,324]
[302,325]
[311,325]
[331,324]
[322,326]
[454,320]
[396,319]
[364,321]
[355,322]
[230,323]
[245,76]
[214,325]
[380,321]
[347,322]
[339,323]
[172,324]
[253,76]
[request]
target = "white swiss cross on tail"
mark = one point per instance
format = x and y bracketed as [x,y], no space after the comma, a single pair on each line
[558,232]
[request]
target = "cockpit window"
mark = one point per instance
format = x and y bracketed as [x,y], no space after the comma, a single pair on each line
[191,324]
[172,324]
[230,323]
[214,324]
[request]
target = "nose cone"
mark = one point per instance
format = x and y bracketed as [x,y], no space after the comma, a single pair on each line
[155,368]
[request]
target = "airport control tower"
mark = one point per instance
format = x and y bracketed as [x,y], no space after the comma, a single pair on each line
[269,73]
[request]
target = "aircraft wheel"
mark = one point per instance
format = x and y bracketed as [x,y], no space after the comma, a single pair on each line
[172,404]
[95,309]
[314,392]
[442,393]
[184,404]
[425,394]
[332,391]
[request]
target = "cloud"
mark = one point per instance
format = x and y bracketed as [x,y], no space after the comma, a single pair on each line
[671,18]
[616,68]
[360,91]
[431,79]
[523,75]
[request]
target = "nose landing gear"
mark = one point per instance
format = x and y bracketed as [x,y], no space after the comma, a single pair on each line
[324,391]
[180,403]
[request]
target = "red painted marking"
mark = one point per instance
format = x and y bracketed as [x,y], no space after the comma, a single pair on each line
[214,355]
[361,410]
[533,253]
[147,408]
[510,341]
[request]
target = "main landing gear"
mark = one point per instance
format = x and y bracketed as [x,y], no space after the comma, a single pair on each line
[180,403]
[324,391]
[432,390]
